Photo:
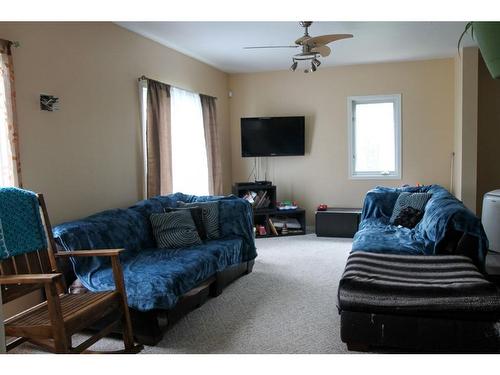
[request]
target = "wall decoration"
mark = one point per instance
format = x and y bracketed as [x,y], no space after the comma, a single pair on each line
[49,103]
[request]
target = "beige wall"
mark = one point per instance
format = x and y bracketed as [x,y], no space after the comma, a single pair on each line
[468,114]
[465,135]
[488,169]
[457,130]
[86,157]
[321,176]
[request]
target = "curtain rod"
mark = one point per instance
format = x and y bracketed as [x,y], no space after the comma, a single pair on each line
[144,78]
[11,43]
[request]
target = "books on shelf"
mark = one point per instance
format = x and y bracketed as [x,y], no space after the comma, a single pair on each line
[278,223]
[271,218]
[249,196]
[272,227]
[279,226]
[291,223]
[260,230]
[258,199]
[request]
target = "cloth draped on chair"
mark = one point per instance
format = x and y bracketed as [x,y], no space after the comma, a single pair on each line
[21,226]
[10,167]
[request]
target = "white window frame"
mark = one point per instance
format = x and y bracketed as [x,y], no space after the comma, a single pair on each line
[380,175]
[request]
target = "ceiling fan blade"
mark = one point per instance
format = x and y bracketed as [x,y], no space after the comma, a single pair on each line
[324,51]
[257,47]
[325,39]
[302,39]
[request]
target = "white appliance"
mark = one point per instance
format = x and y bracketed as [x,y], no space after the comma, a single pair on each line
[491,219]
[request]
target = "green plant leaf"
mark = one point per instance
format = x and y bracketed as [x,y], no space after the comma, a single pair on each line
[467,27]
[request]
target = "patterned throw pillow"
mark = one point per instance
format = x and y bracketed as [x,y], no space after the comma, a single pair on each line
[413,200]
[409,217]
[197,215]
[210,216]
[174,230]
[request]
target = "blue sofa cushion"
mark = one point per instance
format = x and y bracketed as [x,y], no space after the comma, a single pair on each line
[235,218]
[378,237]
[111,229]
[443,213]
[156,278]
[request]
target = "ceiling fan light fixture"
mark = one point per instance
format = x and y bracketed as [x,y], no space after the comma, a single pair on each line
[312,48]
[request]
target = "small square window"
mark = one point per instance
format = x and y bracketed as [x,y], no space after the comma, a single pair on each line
[374,136]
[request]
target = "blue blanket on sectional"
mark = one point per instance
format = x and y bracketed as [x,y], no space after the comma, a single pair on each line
[156,278]
[442,213]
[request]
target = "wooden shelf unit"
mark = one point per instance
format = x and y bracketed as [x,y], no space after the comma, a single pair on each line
[261,216]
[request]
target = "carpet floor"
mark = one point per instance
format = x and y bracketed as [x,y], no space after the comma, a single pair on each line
[286,305]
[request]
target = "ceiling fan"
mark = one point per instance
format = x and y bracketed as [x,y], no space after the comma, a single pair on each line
[312,47]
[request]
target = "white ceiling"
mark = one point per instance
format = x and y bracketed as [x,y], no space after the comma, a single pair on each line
[220,44]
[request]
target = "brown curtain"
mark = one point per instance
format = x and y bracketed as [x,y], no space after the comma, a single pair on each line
[212,143]
[10,166]
[158,140]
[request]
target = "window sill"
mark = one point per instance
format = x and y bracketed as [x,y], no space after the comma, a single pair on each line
[375,177]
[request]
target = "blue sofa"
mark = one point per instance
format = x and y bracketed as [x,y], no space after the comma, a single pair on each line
[159,279]
[447,226]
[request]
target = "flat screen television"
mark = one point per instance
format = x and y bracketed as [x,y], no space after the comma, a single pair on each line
[272,136]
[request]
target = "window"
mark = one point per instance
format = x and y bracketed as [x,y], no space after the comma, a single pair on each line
[189,153]
[9,154]
[374,136]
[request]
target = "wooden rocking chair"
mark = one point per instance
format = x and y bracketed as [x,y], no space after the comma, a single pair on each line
[51,324]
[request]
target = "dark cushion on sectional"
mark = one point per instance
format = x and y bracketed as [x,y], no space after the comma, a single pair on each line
[174,230]
[409,217]
[210,216]
[406,199]
[444,285]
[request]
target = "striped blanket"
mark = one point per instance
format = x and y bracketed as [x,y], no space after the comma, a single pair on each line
[406,284]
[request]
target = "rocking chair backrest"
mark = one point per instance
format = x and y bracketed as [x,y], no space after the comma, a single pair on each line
[26,242]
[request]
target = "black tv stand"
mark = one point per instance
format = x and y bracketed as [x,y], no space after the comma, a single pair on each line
[265,183]
[268,216]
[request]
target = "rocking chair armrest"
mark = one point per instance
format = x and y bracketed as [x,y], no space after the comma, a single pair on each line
[37,278]
[90,253]
[115,264]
